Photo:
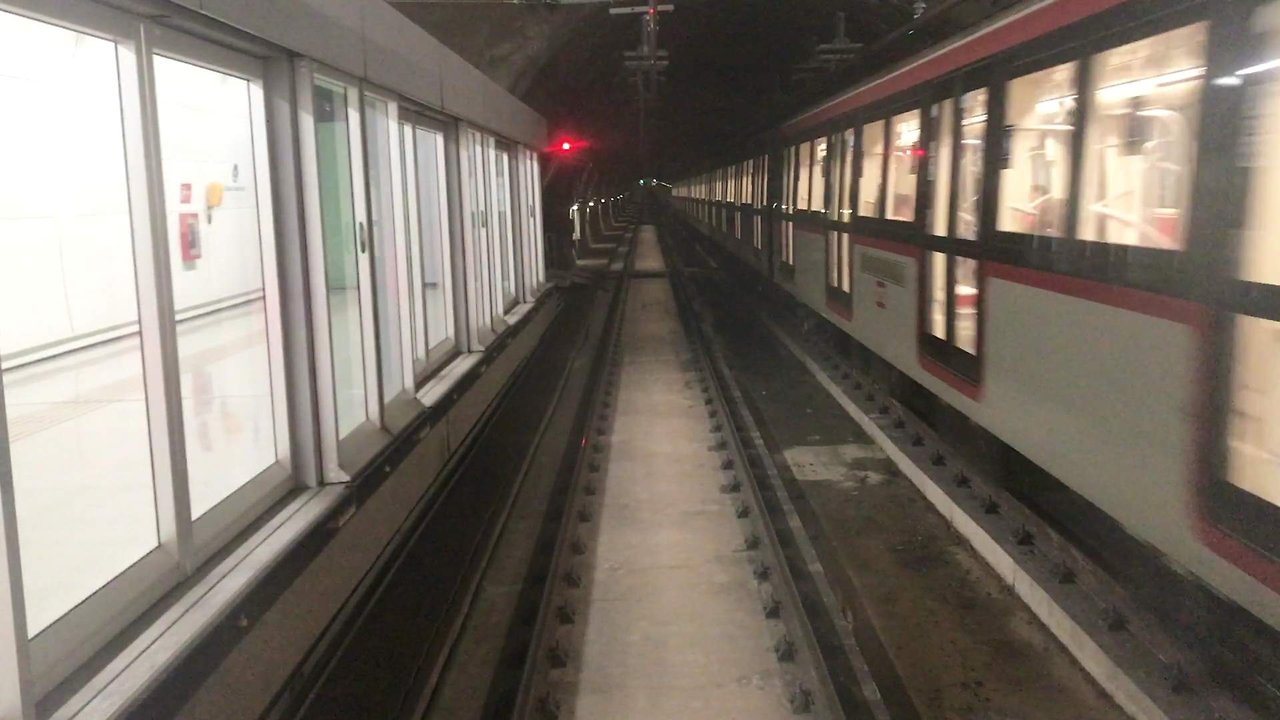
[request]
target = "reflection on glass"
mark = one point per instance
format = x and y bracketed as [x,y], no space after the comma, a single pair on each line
[338,226]
[1253,432]
[1041,109]
[967,307]
[973,139]
[942,150]
[75,398]
[377,138]
[904,166]
[211,201]
[1140,143]
[435,237]
[872,170]
[937,300]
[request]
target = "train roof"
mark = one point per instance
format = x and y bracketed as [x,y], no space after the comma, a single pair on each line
[1012,27]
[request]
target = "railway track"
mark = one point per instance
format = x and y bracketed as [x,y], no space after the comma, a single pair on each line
[681,583]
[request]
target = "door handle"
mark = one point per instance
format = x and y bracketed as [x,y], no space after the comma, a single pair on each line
[360,237]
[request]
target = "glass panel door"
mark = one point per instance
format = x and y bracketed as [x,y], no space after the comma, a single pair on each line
[211,183]
[345,250]
[504,237]
[379,136]
[433,217]
[417,307]
[71,348]
[478,210]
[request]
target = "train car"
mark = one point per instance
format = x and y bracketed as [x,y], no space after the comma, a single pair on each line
[1061,224]
[244,250]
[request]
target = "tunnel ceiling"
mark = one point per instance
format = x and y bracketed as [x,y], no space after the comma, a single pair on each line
[733,64]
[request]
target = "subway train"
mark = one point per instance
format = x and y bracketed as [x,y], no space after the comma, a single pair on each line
[244,251]
[1063,225]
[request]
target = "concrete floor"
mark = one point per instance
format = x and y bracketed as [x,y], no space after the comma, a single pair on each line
[673,626]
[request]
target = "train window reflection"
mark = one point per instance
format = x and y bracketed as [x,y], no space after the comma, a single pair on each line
[1140,142]
[1041,109]
[904,166]
[1253,432]
[872,170]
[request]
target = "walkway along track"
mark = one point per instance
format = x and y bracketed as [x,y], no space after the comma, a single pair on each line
[673,589]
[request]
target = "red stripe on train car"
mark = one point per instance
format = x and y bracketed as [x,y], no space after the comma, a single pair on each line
[1198,317]
[1164,307]
[1016,31]
[890,246]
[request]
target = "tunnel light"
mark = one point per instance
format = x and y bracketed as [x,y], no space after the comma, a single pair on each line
[1143,86]
[1228,81]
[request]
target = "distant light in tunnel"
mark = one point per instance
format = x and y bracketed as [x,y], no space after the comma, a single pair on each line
[566,146]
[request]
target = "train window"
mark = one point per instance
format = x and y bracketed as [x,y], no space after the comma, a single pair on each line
[818,176]
[872,171]
[1253,430]
[1140,141]
[804,164]
[904,164]
[844,199]
[1259,151]
[846,263]
[1041,110]
[936,301]
[942,122]
[973,134]
[787,174]
[965,302]
[839,267]
[833,259]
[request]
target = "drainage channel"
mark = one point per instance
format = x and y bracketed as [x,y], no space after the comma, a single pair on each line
[671,597]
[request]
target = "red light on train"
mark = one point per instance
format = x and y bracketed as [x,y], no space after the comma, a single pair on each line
[566,146]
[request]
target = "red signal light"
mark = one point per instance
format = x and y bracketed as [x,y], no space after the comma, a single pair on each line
[566,146]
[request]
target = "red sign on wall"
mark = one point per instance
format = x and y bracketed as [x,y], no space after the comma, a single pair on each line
[184,193]
[189,234]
